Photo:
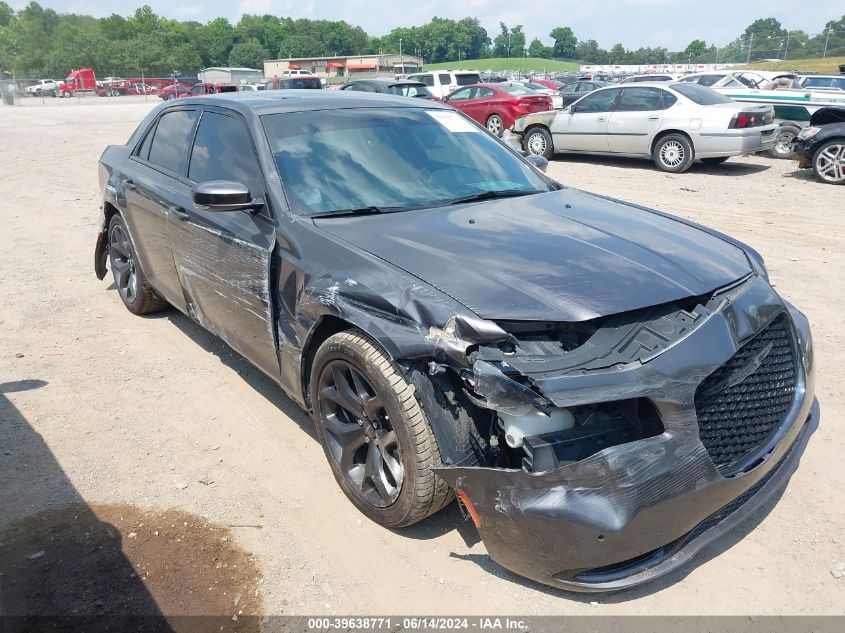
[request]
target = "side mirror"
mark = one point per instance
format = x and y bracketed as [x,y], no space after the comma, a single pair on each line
[539,162]
[222,195]
[572,109]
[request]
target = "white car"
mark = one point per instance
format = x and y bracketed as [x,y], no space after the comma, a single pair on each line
[557,98]
[443,83]
[45,86]
[633,79]
[674,124]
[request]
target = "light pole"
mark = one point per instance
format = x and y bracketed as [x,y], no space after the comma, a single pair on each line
[509,45]
[826,42]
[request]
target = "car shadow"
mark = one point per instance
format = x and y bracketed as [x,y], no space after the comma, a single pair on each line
[807,175]
[61,567]
[265,386]
[708,553]
[732,167]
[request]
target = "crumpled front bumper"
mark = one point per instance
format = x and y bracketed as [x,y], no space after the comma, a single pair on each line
[637,511]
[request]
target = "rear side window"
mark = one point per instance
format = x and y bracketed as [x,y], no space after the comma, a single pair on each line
[223,151]
[467,79]
[362,87]
[639,100]
[445,80]
[144,151]
[172,136]
[700,94]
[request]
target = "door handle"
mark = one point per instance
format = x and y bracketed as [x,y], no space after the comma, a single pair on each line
[654,117]
[601,118]
[128,183]
[179,213]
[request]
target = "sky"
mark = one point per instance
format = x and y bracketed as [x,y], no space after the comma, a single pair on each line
[668,23]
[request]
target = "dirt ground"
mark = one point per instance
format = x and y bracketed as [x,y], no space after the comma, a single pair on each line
[98,406]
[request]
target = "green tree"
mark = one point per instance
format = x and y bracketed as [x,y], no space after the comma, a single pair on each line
[248,54]
[538,49]
[566,44]
[696,49]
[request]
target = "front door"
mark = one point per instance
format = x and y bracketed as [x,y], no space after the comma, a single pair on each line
[637,118]
[583,127]
[223,257]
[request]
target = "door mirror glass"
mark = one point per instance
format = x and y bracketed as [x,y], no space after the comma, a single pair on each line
[572,109]
[539,162]
[222,195]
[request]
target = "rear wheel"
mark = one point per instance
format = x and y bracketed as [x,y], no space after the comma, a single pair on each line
[538,142]
[375,435]
[829,162]
[673,153]
[784,138]
[495,125]
[137,294]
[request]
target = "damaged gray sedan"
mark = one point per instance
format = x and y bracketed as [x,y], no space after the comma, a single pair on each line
[605,388]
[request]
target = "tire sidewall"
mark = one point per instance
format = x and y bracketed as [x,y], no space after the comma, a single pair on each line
[501,131]
[785,129]
[133,306]
[689,155]
[549,152]
[334,349]
[816,158]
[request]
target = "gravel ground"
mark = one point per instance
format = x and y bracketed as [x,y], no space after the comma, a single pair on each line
[101,407]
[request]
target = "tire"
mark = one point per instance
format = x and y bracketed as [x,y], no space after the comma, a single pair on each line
[137,294]
[829,162]
[495,125]
[714,161]
[376,437]
[538,142]
[783,141]
[673,153]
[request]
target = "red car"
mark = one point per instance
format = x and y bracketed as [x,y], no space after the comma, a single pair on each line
[180,90]
[548,83]
[498,105]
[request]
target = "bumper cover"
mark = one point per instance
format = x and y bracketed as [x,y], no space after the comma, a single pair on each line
[637,511]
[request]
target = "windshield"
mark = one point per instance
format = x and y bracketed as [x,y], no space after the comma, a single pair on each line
[700,94]
[389,158]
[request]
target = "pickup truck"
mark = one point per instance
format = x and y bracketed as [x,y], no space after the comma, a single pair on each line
[43,87]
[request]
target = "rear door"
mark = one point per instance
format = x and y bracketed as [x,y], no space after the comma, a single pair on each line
[223,257]
[585,130]
[152,185]
[638,116]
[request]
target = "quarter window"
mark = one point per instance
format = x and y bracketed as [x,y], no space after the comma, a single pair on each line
[223,151]
[171,141]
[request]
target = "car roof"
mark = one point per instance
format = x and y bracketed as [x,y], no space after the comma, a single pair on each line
[281,101]
[386,81]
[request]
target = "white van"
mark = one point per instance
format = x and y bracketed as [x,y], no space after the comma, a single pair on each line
[443,83]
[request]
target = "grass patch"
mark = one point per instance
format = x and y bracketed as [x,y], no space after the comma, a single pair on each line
[503,64]
[829,66]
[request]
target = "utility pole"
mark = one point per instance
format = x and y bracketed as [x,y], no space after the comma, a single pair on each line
[509,45]
[750,42]
[401,61]
[826,42]
[786,50]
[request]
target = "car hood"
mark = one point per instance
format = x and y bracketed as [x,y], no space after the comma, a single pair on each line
[558,256]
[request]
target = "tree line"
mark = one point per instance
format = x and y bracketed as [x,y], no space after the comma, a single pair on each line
[41,42]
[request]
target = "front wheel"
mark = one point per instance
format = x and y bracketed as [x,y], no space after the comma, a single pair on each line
[495,125]
[538,142]
[376,437]
[673,153]
[829,162]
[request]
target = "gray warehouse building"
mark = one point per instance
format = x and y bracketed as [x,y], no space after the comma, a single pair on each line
[227,75]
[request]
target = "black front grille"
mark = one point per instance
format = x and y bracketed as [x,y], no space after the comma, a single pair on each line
[741,404]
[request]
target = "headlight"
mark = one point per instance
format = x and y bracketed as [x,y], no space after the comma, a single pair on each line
[808,133]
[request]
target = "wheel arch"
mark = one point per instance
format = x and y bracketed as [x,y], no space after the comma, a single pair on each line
[327,326]
[664,133]
[101,251]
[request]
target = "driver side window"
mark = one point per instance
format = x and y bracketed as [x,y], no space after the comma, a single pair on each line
[460,95]
[601,101]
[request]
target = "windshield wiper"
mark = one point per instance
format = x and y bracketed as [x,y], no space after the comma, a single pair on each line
[371,210]
[492,194]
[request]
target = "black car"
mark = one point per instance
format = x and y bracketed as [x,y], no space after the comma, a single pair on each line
[822,145]
[573,91]
[402,88]
[605,388]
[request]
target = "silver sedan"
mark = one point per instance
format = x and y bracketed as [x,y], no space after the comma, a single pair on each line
[674,124]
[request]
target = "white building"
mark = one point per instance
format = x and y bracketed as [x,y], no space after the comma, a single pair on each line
[226,75]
